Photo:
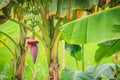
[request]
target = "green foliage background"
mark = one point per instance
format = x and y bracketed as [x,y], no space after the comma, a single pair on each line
[41,65]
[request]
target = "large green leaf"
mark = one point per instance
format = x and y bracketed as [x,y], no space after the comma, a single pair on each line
[98,27]
[69,74]
[75,50]
[102,71]
[107,49]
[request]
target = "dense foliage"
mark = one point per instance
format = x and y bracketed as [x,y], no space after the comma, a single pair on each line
[39,26]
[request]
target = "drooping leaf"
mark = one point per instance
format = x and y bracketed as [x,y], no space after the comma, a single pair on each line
[4,3]
[61,11]
[45,1]
[102,71]
[98,27]
[65,5]
[84,4]
[69,74]
[7,9]
[53,7]
[75,50]
[107,49]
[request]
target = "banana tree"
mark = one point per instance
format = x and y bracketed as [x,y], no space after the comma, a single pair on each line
[48,15]
[20,51]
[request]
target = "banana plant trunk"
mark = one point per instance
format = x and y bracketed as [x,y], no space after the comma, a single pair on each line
[52,58]
[51,35]
[20,66]
[54,64]
[20,54]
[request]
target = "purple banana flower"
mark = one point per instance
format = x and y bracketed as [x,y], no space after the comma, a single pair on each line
[34,52]
[33,48]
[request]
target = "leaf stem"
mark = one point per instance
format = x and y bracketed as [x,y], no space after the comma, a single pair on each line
[45,32]
[77,65]
[13,20]
[44,20]
[43,28]
[57,25]
[83,57]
